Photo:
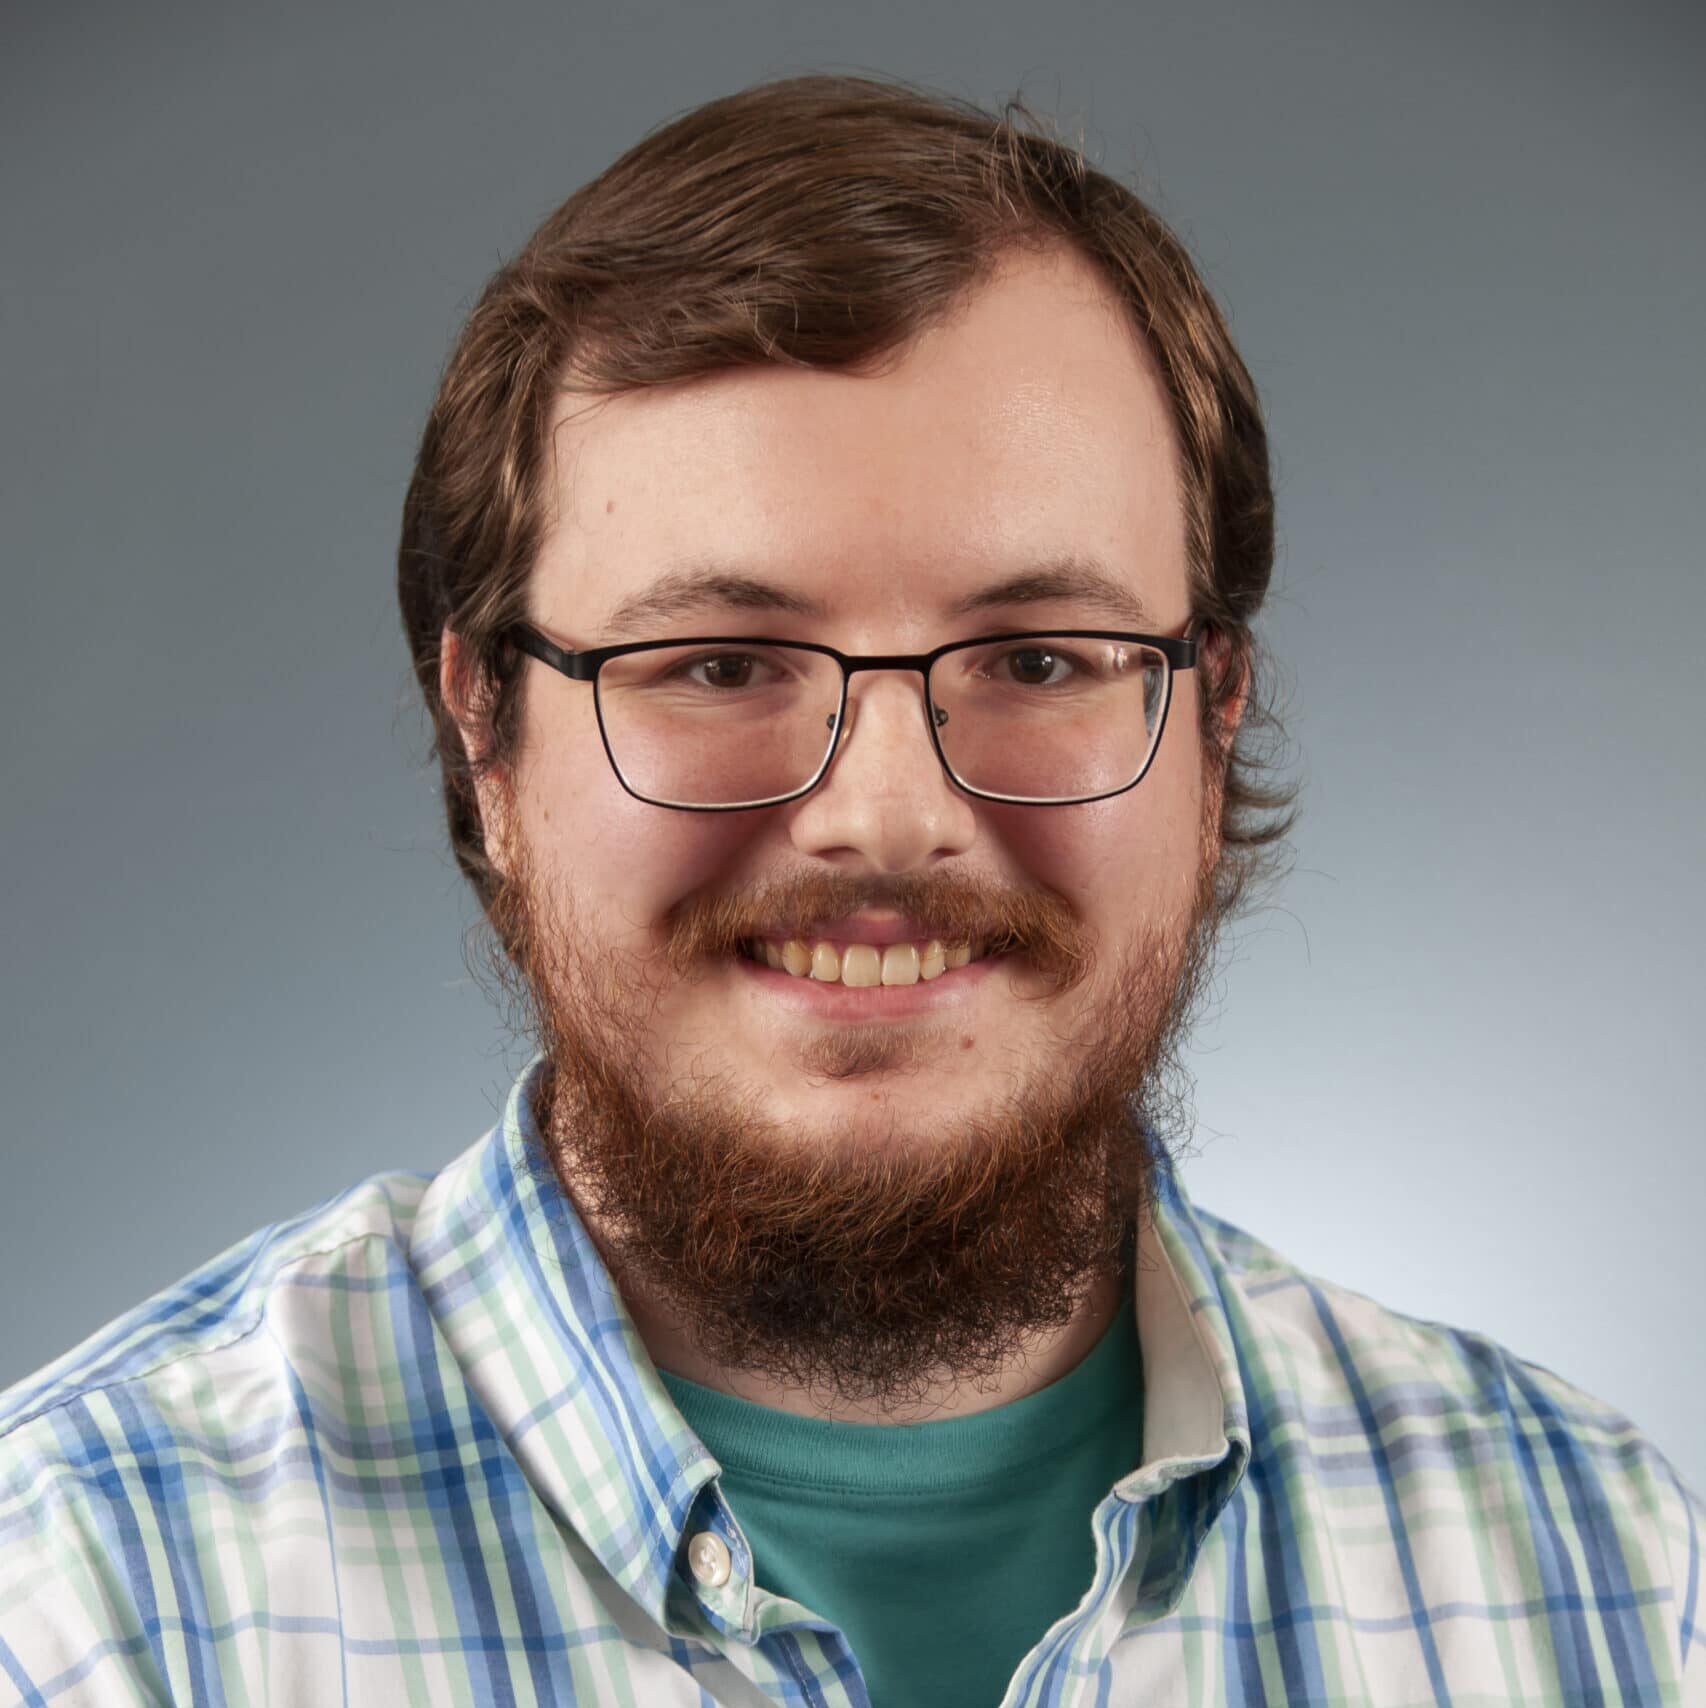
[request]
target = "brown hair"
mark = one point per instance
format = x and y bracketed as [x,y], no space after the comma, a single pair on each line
[818,222]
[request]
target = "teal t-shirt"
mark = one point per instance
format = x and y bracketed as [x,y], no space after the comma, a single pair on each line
[942,1550]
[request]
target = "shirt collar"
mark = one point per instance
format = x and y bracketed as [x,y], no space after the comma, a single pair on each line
[528,1312]
[1196,1427]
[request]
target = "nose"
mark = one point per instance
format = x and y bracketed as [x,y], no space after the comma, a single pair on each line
[886,804]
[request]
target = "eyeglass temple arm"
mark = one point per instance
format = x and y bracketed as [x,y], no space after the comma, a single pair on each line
[579,666]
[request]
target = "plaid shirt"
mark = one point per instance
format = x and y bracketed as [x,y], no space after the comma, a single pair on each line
[407,1449]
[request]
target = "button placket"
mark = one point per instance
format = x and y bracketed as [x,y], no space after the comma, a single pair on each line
[713,1566]
[708,1559]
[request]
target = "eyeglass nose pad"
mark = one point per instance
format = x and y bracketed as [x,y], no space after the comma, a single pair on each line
[938,714]
[839,726]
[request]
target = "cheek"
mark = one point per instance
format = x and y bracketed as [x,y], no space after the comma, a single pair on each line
[622,862]
[1126,858]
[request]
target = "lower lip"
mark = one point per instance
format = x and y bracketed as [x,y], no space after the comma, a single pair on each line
[821,999]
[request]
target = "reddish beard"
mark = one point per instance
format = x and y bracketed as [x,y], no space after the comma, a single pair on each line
[860,1269]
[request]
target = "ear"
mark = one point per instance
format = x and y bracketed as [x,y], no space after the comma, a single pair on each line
[1218,645]
[452,689]
[456,690]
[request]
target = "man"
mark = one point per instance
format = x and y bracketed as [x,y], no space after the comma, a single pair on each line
[830,565]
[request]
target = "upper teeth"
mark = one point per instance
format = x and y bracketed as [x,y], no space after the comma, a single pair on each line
[863,963]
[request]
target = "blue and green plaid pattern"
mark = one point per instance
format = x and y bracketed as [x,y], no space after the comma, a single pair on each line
[407,1449]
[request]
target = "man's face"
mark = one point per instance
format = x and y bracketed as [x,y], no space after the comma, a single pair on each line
[1028,430]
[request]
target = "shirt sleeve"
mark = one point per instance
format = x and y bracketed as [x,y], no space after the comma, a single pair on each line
[72,1631]
[1685,1527]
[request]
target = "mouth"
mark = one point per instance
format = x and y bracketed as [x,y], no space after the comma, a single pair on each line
[859,965]
[834,981]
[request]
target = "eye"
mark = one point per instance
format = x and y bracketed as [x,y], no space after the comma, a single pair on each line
[1034,666]
[726,669]
[722,672]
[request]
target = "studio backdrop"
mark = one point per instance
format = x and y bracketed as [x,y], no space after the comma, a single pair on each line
[1454,1062]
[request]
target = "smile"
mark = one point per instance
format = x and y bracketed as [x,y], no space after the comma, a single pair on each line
[921,984]
[861,965]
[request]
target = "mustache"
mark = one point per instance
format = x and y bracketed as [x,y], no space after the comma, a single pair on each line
[1035,923]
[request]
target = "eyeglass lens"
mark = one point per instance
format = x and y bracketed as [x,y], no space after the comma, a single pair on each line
[1040,719]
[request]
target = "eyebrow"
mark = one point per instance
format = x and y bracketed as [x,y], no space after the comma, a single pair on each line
[687,591]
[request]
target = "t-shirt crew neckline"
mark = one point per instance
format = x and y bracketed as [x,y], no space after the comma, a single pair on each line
[932,1457]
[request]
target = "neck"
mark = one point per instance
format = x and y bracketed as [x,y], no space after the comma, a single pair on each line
[1040,1360]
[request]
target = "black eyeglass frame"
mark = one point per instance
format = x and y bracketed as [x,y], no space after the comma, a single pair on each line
[584,665]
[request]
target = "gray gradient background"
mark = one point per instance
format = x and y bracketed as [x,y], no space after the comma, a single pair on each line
[1456,1066]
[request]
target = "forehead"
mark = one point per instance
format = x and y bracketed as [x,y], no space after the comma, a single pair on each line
[1029,428]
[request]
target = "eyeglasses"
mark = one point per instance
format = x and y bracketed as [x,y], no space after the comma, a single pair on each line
[726,723]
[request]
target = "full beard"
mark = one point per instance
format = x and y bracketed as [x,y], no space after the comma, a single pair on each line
[861,1268]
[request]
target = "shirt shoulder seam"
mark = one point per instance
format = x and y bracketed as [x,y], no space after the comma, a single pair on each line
[81,1390]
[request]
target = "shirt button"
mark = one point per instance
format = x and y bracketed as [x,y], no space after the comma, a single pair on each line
[708,1559]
